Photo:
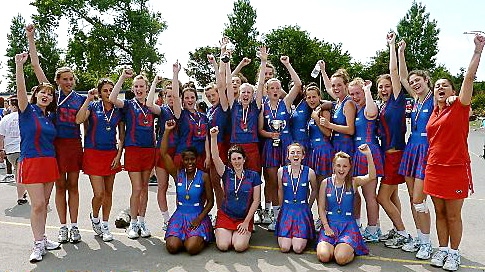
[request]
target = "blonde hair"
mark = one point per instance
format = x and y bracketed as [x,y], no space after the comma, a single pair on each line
[357,82]
[343,74]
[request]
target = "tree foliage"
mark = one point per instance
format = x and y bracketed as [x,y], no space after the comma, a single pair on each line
[49,54]
[199,67]
[106,34]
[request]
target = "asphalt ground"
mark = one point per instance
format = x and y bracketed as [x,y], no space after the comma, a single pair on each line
[149,254]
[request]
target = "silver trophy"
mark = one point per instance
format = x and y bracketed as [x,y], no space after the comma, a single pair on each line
[277,126]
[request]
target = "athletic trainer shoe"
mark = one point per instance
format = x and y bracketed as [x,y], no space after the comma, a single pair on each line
[266,217]
[106,234]
[133,231]
[412,246]
[51,245]
[389,235]
[272,226]
[74,235]
[398,241]
[37,252]
[439,258]
[452,262]
[165,225]
[424,251]
[63,236]
[144,231]
[258,216]
[96,226]
[371,237]
[318,224]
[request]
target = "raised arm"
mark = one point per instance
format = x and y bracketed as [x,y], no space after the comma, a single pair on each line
[220,82]
[326,80]
[467,85]
[244,62]
[370,110]
[371,168]
[229,91]
[34,56]
[396,84]
[264,59]
[151,96]
[20,60]
[167,160]
[216,158]
[403,69]
[295,90]
[113,96]
[83,113]
[177,104]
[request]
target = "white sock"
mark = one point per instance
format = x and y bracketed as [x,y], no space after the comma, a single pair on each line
[425,238]
[133,222]
[453,251]
[73,225]
[104,223]
[372,229]
[403,233]
[445,249]
[276,211]
[357,220]
[63,225]
[420,234]
[141,219]
[267,206]
[165,216]
[95,220]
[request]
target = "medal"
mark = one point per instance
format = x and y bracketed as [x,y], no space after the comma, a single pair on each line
[106,118]
[189,185]
[294,200]
[339,199]
[237,198]
[197,123]
[108,128]
[187,197]
[145,121]
[339,211]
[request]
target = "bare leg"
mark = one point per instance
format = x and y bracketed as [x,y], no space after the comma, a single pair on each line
[223,239]
[73,195]
[384,198]
[325,252]
[108,196]
[344,254]
[194,245]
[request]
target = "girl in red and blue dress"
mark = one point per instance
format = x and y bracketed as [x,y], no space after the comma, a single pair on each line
[276,141]
[102,153]
[69,150]
[189,227]
[241,198]
[294,225]
[139,158]
[418,84]
[37,163]
[340,237]
[391,131]
[366,133]
[168,111]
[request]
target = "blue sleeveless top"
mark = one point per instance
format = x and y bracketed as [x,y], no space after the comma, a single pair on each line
[336,211]
[190,192]
[365,129]
[295,190]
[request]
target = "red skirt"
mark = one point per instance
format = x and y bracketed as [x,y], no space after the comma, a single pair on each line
[160,164]
[139,159]
[38,170]
[69,154]
[253,159]
[392,161]
[223,221]
[448,182]
[98,162]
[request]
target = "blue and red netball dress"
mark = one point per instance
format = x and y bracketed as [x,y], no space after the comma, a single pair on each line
[295,219]
[192,132]
[244,132]
[340,141]
[166,113]
[341,220]
[275,156]
[69,150]
[238,197]
[140,137]
[413,161]
[190,203]
[298,127]
[217,117]
[37,162]
[392,130]
[321,150]
[365,133]
[448,173]
[100,143]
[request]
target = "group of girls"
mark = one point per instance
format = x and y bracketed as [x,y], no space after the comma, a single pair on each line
[305,146]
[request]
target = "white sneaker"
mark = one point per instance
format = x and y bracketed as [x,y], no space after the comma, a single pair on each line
[213,221]
[439,258]
[106,234]
[133,231]
[398,241]
[272,226]
[51,245]
[165,225]
[74,235]
[8,178]
[96,226]
[452,262]
[266,217]
[63,236]
[318,224]
[37,251]
[424,251]
[258,216]
[144,231]
[412,246]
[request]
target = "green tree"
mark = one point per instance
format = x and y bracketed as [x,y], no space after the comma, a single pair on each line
[421,36]
[106,34]
[199,67]
[49,54]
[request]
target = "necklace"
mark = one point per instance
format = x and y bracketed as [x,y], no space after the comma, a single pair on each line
[244,120]
[108,120]
[59,102]
[339,199]
[197,123]
[418,110]
[294,186]
[237,185]
[145,119]
[189,185]
[275,112]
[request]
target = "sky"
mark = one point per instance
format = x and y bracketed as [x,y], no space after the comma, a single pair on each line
[361,26]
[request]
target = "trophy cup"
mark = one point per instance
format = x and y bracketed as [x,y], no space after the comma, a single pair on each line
[277,126]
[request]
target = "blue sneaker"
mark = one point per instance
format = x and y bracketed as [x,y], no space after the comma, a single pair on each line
[371,237]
